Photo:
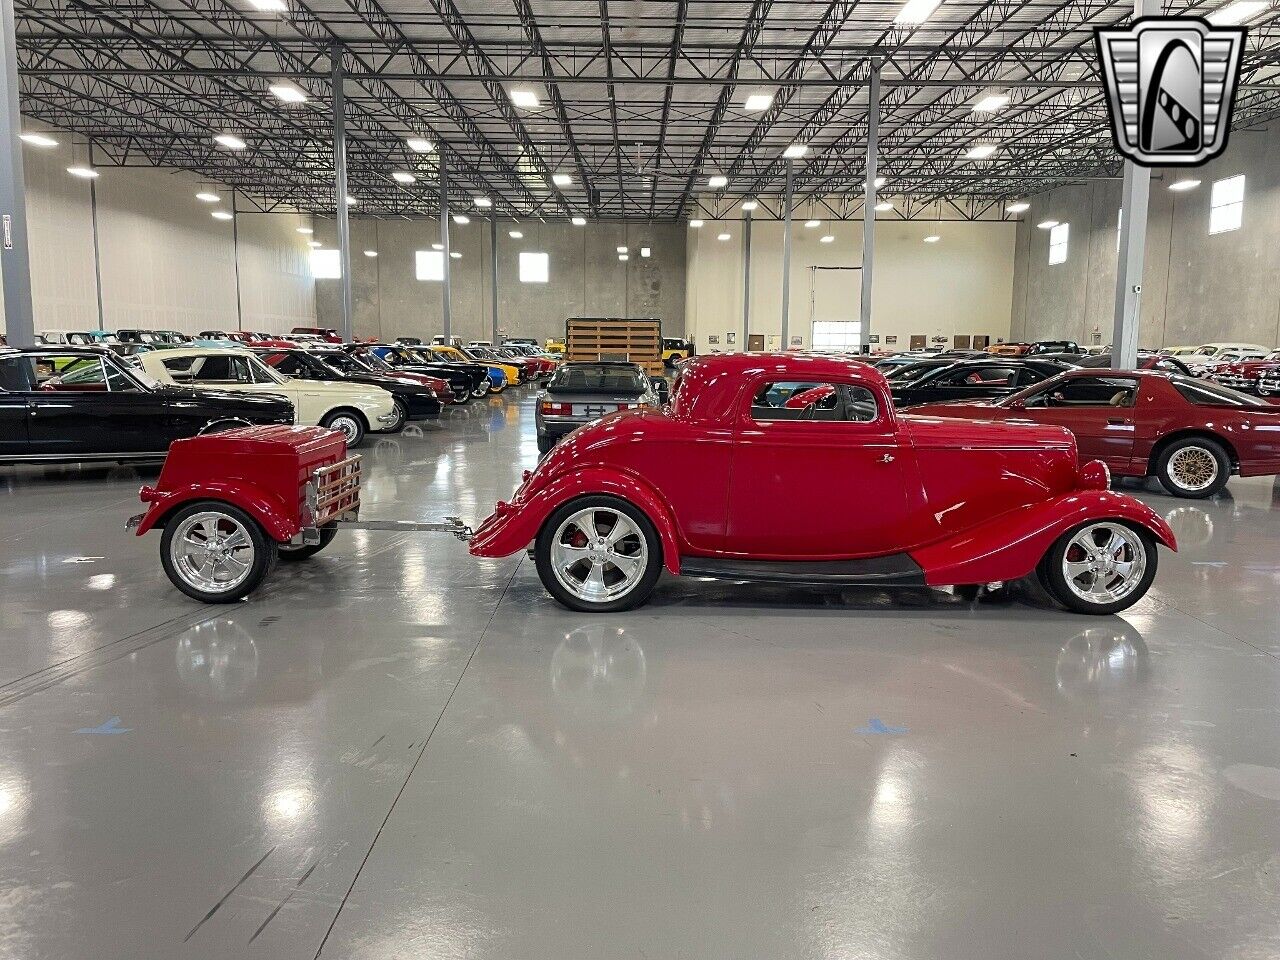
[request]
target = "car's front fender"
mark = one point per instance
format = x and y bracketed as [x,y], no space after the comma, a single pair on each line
[1009,546]
[276,519]
[513,526]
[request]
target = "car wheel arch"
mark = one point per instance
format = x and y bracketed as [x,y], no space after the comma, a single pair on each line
[1191,433]
[271,515]
[638,494]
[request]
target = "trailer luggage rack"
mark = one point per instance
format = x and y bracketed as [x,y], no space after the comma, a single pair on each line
[334,491]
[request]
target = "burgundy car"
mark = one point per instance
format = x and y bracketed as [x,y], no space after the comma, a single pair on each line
[797,469]
[1251,376]
[1191,434]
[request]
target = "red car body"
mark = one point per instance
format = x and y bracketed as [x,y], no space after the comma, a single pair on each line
[1129,439]
[956,503]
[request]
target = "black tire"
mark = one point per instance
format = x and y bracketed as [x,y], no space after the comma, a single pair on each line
[402,417]
[637,594]
[263,556]
[349,423]
[290,553]
[1199,450]
[545,443]
[1054,579]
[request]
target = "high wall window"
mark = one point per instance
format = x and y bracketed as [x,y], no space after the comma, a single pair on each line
[325,265]
[429,264]
[534,267]
[1059,237]
[1226,204]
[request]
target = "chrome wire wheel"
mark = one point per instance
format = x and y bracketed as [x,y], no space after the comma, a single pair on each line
[212,552]
[598,554]
[1193,468]
[1104,563]
[348,426]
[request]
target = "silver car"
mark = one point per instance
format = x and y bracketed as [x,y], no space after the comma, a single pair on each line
[585,390]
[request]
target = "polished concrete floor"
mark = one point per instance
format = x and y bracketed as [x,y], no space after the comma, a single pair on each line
[395,751]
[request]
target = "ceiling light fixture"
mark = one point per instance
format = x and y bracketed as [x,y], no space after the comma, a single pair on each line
[38,140]
[222,214]
[1020,207]
[695,224]
[230,141]
[1182,185]
[82,170]
[437,246]
[371,253]
[723,236]
[795,151]
[757,102]
[561,179]
[980,151]
[991,103]
[208,196]
[307,231]
[288,92]
[403,176]
[932,238]
[482,201]
[624,257]
[880,182]
[579,221]
[622,249]
[750,204]
[515,234]
[829,238]
[717,182]
[524,98]
[884,205]
[1047,224]
[351,201]
[455,255]
[268,6]
[461,219]
[1241,11]
[915,12]
[419,144]
[313,244]
[810,224]
[644,253]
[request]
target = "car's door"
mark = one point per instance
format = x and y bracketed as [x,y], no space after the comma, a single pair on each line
[825,480]
[15,385]
[1099,410]
[83,406]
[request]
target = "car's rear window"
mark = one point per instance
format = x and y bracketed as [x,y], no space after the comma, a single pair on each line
[598,378]
[1204,393]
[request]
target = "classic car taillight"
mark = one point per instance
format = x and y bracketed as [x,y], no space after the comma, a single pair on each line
[556,409]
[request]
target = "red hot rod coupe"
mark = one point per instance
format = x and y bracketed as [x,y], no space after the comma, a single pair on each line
[734,480]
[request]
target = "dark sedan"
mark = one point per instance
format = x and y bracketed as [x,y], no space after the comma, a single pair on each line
[65,404]
[422,360]
[413,400]
[975,380]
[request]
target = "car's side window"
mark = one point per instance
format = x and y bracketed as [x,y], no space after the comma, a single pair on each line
[797,400]
[288,365]
[117,382]
[17,375]
[1093,392]
[860,404]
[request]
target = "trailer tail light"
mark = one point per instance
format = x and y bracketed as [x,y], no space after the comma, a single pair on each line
[554,409]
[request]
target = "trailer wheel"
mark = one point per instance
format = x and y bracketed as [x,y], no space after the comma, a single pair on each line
[301,551]
[215,552]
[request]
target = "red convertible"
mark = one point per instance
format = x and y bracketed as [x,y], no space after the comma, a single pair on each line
[1189,433]
[797,469]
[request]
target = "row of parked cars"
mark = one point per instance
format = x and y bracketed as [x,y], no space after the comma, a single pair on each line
[104,400]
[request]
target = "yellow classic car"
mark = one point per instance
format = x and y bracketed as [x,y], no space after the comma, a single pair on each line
[512,372]
[555,345]
[674,349]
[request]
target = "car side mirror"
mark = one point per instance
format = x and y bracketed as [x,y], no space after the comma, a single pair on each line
[662,389]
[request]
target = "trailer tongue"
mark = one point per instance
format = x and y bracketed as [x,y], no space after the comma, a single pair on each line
[231,504]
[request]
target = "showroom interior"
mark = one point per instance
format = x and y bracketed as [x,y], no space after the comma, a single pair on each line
[644,478]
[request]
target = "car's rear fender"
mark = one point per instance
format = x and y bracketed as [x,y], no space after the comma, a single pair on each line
[279,520]
[513,526]
[1009,546]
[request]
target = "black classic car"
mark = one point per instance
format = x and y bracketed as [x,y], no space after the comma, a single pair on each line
[975,379]
[465,379]
[414,401]
[64,404]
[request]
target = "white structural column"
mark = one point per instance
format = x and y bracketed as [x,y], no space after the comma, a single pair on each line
[444,242]
[493,273]
[340,193]
[1134,197]
[786,257]
[15,257]
[746,280]
[869,204]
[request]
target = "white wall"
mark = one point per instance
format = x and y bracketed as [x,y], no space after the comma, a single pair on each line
[165,262]
[962,284]
[1196,287]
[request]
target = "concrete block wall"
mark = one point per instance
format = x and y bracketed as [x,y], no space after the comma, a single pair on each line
[1196,287]
[586,278]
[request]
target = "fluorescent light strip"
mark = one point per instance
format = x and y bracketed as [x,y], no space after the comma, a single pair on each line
[915,12]
[38,140]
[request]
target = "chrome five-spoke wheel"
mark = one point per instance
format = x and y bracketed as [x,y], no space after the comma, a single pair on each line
[215,552]
[598,553]
[1101,567]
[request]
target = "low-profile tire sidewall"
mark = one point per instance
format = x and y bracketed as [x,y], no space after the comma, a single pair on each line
[1053,579]
[264,551]
[644,586]
[1214,449]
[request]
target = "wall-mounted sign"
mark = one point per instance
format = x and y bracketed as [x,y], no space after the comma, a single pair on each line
[8,232]
[714,338]
[891,339]
[939,339]
[873,338]
[730,338]
[797,341]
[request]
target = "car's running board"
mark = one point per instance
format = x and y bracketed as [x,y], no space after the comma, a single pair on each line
[897,569]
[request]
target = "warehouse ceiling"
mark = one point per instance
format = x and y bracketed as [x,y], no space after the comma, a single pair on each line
[638,103]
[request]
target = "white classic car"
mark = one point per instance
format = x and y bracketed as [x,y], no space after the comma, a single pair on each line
[353,409]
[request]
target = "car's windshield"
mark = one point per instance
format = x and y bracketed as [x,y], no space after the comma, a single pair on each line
[608,378]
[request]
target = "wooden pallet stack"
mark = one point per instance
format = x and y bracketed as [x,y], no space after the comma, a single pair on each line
[615,338]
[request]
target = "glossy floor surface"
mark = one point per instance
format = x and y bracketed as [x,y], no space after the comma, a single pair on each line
[395,751]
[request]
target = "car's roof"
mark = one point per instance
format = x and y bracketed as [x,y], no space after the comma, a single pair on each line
[84,349]
[805,364]
[180,350]
[569,364]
